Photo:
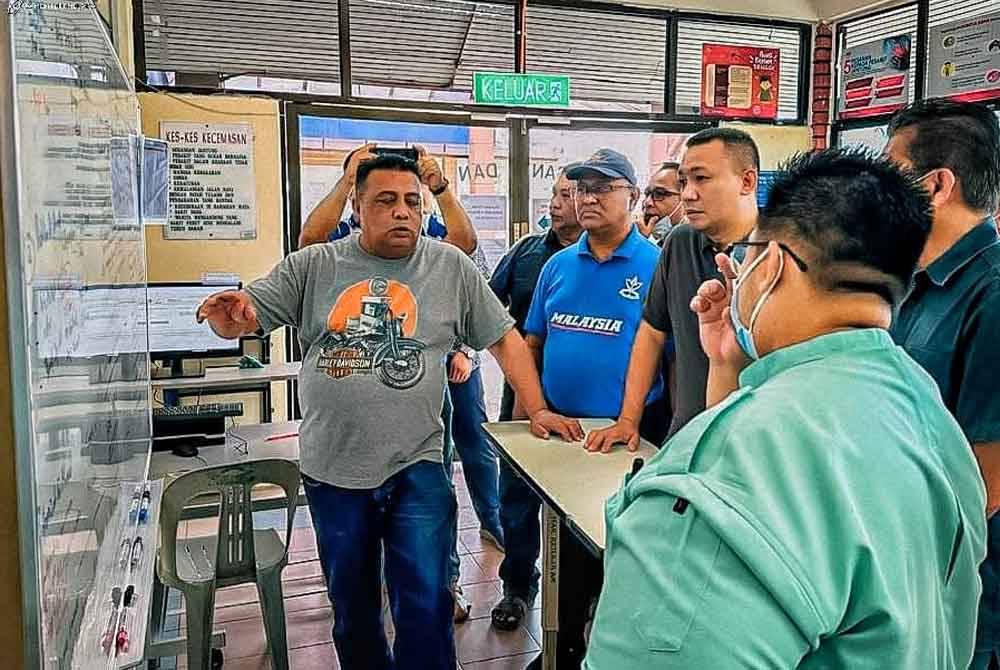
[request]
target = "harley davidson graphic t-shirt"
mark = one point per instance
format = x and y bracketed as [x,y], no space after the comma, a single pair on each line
[375,333]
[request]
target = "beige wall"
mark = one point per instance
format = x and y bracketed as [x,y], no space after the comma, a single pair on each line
[186,260]
[777,143]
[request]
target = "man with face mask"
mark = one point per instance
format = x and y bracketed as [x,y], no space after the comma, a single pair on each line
[826,512]
[718,178]
[662,207]
[950,320]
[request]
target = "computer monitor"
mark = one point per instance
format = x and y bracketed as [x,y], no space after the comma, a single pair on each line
[174,333]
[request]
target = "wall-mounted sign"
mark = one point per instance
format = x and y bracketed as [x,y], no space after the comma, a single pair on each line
[520,90]
[739,82]
[875,78]
[213,191]
[964,59]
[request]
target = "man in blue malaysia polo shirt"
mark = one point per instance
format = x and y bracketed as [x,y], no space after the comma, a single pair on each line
[583,319]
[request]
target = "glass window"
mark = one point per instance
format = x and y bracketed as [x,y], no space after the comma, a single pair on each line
[295,40]
[900,21]
[692,35]
[551,149]
[428,44]
[615,61]
[873,138]
[474,160]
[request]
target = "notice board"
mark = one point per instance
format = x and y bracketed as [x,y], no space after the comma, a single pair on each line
[212,185]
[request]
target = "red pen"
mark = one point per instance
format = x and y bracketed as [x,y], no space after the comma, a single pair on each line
[280,437]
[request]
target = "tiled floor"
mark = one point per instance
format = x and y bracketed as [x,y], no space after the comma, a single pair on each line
[308,613]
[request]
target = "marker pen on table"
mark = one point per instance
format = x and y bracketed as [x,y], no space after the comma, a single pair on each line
[136,552]
[133,508]
[144,507]
[124,552]
[283,436]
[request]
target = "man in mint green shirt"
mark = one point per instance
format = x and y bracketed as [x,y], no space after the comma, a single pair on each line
[826,511]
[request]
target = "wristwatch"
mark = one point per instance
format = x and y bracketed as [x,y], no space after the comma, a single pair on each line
[440,189]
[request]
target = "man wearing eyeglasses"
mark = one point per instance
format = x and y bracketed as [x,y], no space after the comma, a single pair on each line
[583,318]
[950,319]
[662,207]
[718,178]
[826,511]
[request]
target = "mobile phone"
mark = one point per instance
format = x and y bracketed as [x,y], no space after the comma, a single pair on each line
[405,152]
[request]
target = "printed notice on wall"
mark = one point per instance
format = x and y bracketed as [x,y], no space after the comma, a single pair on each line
[963,61]
[212,186]
[739,82]
[875,78]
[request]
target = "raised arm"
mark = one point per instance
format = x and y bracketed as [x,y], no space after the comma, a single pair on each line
[325,218]
[461,232]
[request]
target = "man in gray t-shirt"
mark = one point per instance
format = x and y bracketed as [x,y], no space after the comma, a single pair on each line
[377,314]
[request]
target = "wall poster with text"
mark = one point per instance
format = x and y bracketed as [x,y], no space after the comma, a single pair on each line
[739,82]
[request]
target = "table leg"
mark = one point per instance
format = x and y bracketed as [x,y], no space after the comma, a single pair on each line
[550,587]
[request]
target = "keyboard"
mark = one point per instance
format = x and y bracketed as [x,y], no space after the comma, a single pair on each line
[202,411]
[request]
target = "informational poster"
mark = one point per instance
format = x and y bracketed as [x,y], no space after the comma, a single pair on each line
[212,186]
[964,59]
[739,82]
[488,214]
[875,78]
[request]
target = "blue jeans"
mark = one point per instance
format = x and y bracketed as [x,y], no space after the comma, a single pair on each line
[467,409]
[519,509]
[410,520]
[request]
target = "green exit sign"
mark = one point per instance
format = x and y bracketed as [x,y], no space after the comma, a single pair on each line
[520,90]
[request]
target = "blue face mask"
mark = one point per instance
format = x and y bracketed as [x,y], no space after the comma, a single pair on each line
[744,333]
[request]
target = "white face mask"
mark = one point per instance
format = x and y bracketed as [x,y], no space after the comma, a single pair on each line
[670,216]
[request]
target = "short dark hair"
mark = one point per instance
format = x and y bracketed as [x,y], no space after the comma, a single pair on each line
[349,156]
[860,221]
[391,162]
[737,142]
[961,136]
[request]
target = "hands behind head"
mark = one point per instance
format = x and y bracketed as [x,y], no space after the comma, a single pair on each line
[357,158]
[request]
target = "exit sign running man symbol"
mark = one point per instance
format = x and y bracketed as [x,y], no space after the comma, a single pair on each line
[520,90]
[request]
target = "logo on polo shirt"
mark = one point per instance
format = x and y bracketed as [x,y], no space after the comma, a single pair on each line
[631,289]
[586,324]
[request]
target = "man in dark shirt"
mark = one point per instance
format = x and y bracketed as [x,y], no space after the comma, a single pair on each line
[950,320]
[514,283]
[719,189]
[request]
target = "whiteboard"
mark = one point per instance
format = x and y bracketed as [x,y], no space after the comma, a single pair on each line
[81,291]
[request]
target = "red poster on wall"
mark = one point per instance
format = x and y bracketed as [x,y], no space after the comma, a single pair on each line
[739,82]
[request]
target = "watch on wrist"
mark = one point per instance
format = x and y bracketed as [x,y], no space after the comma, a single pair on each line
[440,189]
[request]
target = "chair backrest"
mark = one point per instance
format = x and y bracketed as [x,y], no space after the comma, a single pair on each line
[235,554]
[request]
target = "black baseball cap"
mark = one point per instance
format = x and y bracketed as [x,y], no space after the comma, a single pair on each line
[607,162]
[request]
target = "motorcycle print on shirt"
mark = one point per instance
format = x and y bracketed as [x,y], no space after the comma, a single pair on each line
[371,328]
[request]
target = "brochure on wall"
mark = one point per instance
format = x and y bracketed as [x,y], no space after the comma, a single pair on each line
[212,185]
[964,59]
[875,78]
[739,82]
